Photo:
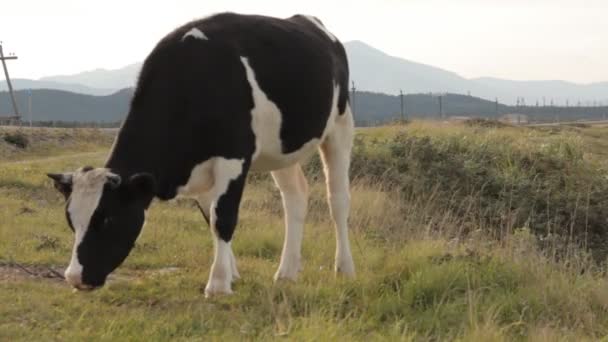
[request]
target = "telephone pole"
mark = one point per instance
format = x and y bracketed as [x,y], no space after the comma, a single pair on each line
[402,111]
[8,81]
[352,104]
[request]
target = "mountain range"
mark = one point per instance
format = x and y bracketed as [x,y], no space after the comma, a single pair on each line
[372,70]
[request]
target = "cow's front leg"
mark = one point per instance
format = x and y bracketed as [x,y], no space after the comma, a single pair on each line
[223,203]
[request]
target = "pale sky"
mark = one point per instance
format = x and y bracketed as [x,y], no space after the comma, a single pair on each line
[512,39]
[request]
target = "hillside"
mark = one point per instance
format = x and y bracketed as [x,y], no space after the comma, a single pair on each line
[370,108]
[373,108]
[459,233]
[24,84]
[57,105]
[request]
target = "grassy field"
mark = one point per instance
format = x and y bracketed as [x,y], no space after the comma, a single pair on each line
[433,261]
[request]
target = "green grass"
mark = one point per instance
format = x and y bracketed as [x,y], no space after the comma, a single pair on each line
[420,276]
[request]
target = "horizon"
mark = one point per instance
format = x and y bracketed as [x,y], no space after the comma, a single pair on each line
[549,40]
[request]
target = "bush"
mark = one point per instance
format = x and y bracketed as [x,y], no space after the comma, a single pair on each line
[18,139]
[549,189]
[489,123]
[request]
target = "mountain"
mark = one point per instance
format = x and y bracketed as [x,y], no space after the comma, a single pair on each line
[102,78]
[558,91]
[24,84]
[375,71]
[59,105]
[370,108]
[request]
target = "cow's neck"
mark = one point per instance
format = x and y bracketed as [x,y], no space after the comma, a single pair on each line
[139,148]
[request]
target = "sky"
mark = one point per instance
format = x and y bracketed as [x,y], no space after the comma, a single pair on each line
[511,39]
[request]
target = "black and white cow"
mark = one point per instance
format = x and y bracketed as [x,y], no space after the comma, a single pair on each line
[215,99]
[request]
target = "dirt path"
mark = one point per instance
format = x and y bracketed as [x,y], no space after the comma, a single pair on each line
[55,158]
[12,271]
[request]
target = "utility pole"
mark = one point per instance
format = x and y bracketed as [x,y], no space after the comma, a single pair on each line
[402,112]
[440,107]
[354,91]
[496,102]
[29,104]
[8,80]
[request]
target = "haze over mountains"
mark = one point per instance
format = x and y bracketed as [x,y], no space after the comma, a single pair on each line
[372,70]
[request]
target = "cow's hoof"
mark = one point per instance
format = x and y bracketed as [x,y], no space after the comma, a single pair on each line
[217,289]
[345,268]
[289,268]
[285,275]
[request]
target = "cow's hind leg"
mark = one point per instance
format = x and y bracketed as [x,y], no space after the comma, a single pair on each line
[335,153]
[294,192]
[223,202]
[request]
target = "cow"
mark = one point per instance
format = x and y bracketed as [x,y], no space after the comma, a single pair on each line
[218,98]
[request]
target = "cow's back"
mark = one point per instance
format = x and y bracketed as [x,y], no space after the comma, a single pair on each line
[198,95]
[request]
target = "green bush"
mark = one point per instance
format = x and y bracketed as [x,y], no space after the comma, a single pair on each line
[549,189]
[17,139]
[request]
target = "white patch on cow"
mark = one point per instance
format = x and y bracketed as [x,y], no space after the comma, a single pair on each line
[266,126]
[221,276]
[87,188]
[335,153]
[195,33]
[294,193]
[321,27]
[208,181]
[266,119]
[200,180]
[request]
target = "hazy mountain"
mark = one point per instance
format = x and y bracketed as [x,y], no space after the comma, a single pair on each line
[375,71]
[102,78]
[558,91]
[22,84]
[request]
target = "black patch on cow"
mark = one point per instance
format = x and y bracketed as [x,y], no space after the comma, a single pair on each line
[227,209]
[67,214]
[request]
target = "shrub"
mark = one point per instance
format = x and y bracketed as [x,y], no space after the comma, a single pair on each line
[550,189]
[18,139]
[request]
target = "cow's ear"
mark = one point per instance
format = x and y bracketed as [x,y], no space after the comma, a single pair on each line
[142,186]
[62,182]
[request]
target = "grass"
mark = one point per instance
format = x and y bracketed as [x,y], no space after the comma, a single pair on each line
[421,275]
[18,144]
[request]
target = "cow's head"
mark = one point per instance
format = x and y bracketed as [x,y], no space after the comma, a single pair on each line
[106,214]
